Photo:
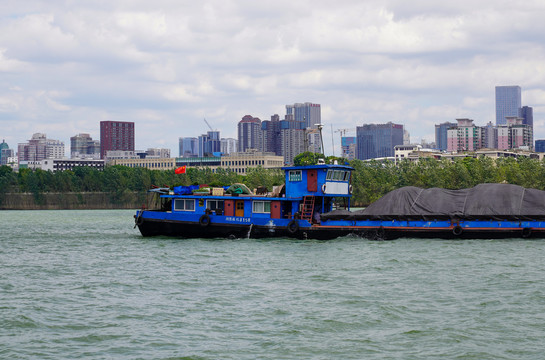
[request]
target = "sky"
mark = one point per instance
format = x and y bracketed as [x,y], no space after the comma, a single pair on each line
[167,65]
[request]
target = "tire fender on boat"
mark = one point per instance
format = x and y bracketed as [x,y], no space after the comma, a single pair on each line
[526,232]
[204,220]
[293,227]
[457,230]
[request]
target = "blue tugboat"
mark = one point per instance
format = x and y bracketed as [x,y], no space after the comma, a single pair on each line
[315,204]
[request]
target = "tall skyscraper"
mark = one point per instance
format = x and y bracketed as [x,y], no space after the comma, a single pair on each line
[272,135]
[209,143]
[441,134]
[116,135]
[83,146]
[308,112]
[508,102]
[527,115]
[189,147]
[250,135]
[378,140]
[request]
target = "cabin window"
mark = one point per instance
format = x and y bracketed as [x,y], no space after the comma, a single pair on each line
[295,175]
[184,205]
[214,204]
[262,207]
[337,175]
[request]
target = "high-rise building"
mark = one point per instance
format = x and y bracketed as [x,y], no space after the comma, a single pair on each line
[464,137]
[508,102]
[515,135]
[209,143]
[250,135]
[116,135]
[308,112]
[82,146]
[272,135]
[3,146]
[346,141]
[441,134]
[39,148]
[189,147]
[527,115]
[540,146]
[228,146]
[293,139]
[489,136]
[378,140]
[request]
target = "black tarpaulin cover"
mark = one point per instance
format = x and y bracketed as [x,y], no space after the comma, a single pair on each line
[484,201]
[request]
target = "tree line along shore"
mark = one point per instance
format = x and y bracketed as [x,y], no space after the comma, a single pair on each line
[120,187]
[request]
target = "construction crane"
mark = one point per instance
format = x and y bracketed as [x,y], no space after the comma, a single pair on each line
[208,124]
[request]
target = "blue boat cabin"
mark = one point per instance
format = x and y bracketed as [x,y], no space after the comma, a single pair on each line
[309,190]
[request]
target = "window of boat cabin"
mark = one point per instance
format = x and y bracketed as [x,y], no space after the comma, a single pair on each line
[337,175]
[184,205]
[214,204]
[262,207]
[295,175]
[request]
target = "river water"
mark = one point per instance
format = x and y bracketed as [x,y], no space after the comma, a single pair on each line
[86,285]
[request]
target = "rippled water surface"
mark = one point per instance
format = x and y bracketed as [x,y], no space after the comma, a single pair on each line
[86,285]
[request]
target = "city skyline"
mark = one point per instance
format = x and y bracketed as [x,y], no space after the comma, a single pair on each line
[165,66]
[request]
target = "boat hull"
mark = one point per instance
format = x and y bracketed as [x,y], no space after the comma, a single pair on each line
[374,230]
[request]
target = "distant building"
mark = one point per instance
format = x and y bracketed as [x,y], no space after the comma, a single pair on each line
[148,163]
[378,140]
[209,143]
[293,141]
[116,135]
[527,115]
[441,134]
[402,152]
[228,146]
[55,165]
[39,148]
[540,146]
[82,146]
[508,103]
[346,141]
[120,155]
[241,162]
[309,113]
[464,137]
[272,135]
[189,147]
[3,152]
[250,135]
[515,135]
[489,135]
[157,153]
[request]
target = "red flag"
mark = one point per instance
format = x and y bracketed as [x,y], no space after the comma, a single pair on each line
[180,170]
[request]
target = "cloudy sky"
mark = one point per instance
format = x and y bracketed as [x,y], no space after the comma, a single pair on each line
[67,65]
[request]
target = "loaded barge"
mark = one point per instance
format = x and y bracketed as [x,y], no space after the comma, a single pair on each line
[314,203]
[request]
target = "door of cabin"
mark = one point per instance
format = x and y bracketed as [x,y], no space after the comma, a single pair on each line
[229,208]
[239,208]
[276,210]
[312,180]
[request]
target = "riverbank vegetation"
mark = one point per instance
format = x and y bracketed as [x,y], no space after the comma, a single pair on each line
[370,181]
